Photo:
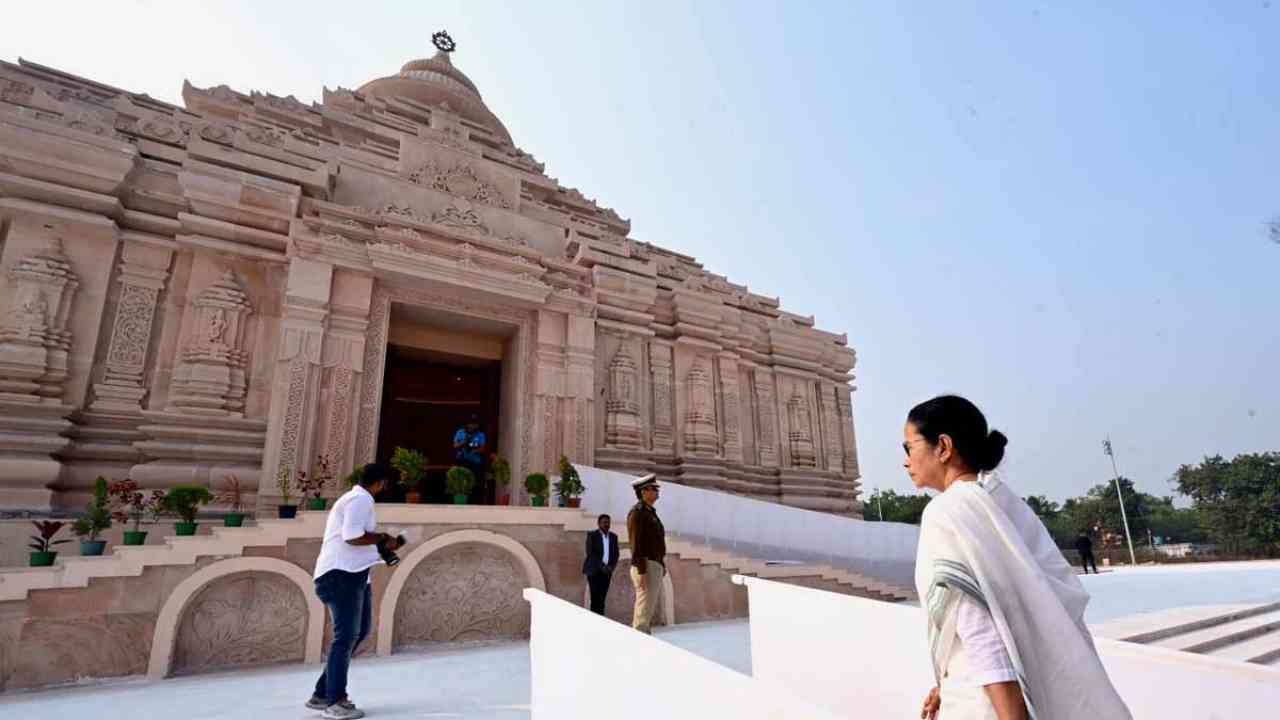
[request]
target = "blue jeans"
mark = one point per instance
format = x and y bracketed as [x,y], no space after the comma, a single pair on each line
[350,602]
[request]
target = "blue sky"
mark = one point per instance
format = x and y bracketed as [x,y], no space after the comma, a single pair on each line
[1058,212]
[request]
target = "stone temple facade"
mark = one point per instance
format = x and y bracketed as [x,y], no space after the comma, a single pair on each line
[193,292]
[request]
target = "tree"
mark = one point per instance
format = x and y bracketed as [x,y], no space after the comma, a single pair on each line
[897,508]
[1239,500]
[1043,507]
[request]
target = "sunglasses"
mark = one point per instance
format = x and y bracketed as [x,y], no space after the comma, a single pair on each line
[906,446]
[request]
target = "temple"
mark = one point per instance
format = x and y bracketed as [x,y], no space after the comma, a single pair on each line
[251,286]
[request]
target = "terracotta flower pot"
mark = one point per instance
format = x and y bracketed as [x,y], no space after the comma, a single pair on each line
[92,548]
[135,537]
[43,559]
[413,497]
[184,529]
[504,499]
[233,520]
[574,502]
[287,512]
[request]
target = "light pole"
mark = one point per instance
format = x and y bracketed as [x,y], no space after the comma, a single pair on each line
[879,505]
[1106,448]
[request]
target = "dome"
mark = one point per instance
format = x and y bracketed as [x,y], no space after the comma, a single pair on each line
[434,81]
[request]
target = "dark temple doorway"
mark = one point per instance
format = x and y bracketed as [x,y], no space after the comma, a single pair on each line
[427,396]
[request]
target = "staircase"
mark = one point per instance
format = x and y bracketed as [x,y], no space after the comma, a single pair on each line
[129,561]
[1247,635]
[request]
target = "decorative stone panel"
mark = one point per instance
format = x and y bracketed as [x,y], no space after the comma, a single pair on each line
[211,377]
[469,591]
[250,618]
[34,338]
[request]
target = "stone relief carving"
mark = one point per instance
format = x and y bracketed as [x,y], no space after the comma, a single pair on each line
[131,335]
[830,431]
[216,132]
[850,456]
[729,397]
[343,384]
[210,378]
[375,351]
[660,369]
[455,217]
[700,435]
[90,121]
[463,592]
[57,650]
[460,180]
[16,92]
[34,338]
[265,136]
[800,433]
[623,428]
[242,619]
[766,436]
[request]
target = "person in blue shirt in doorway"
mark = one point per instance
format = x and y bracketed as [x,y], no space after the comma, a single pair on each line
[469,446]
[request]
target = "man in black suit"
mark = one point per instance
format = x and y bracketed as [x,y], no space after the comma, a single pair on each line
[602,558]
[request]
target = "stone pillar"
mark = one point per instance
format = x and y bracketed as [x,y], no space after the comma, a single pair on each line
[580,383]
[660,368]
[766,418]
[144,268]
[343,359]
[730,410]
[844,395]
[295,392]
[832,442]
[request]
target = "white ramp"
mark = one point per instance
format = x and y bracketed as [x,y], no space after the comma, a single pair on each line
[586,666]
[862,658]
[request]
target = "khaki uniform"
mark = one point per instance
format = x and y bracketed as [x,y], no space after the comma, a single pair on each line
[648,541]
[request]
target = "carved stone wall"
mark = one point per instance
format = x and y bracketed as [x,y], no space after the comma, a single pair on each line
[60,650]
[211,377]
[663,397]
[34,338]
[700,432]
[622,409]
[470,591]
[800,429]
[242,620]
[144,268]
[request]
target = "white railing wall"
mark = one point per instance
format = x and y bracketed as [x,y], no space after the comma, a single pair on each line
[764,530]
[583,665]
[865,659]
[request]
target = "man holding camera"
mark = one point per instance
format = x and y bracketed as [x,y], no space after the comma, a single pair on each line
[351,546]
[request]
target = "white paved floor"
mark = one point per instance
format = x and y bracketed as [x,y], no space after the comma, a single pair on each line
[489,683]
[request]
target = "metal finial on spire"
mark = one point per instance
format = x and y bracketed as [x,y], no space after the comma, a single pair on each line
[443,42]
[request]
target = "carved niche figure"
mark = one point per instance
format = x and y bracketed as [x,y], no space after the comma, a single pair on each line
[766,441]
[622,419]
[700,434]
[800,421]
[34,338]
[210,378]
[459,218]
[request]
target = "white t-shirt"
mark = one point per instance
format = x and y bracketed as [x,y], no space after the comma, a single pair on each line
[351,517]
[604,541]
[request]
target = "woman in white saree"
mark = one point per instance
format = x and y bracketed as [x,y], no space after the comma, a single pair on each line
[1005,610]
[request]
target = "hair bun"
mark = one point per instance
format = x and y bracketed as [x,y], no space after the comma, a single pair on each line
[996,442]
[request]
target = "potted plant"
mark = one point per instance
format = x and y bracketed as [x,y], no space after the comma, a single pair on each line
[459,482]
[284,482]
[412,466]
[129,503]
[97,518]
[536,484]
[356,475]
[569,486]
[314,487]
[42,555]
[501,470]
[232,495]
[184,501]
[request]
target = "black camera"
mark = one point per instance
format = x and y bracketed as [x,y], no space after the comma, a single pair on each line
[387,549]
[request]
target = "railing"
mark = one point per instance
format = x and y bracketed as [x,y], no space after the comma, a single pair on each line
[582,665]
[764,530]
[866,659]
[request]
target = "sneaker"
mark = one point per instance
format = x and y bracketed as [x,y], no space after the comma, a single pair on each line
[318,703]
[343,710]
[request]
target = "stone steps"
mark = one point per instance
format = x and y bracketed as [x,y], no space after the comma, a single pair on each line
[130,561]
[1246,635]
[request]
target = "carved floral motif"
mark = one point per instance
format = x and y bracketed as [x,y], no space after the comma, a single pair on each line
[242,619]
[460,180]
[464,592]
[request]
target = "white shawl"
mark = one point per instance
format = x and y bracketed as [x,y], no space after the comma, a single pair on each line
[981,539]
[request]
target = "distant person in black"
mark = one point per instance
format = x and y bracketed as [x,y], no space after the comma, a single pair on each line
[1084,546]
